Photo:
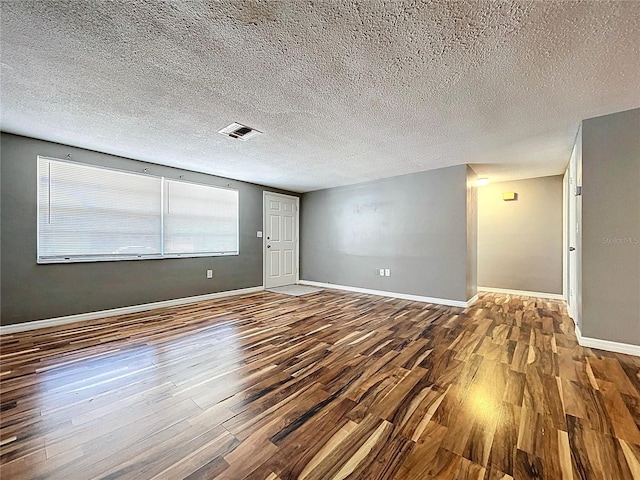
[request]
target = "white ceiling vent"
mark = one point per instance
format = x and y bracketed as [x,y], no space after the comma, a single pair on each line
[239,131]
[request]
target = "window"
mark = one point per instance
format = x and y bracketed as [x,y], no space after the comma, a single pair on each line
[200,219]
[88,213]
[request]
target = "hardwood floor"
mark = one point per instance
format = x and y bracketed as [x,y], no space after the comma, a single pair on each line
[327,385]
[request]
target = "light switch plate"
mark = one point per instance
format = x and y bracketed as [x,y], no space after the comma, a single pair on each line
[259,234]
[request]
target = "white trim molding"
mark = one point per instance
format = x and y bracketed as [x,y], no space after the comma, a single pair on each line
[523,293]
[403,296]
[608,345]
[472,300]
[81,317]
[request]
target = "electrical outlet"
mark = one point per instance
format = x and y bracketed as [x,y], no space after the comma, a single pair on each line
[209,273]
[381,272]
[387,272]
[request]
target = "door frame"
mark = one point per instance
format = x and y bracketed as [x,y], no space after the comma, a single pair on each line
[571,236]
[264,234]
[566,188]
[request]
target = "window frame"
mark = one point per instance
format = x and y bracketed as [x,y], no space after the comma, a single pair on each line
[88,258]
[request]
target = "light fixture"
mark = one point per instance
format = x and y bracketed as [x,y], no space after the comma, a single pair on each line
[481,182]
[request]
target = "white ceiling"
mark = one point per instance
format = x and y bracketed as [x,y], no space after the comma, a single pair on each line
[344,91]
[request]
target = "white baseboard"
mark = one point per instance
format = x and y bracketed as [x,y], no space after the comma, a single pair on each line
[608,345]
[524,293]
[472,300]
[53,322]
[403,296]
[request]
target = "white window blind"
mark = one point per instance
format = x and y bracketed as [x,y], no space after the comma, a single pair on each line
[88,213]
[200,219]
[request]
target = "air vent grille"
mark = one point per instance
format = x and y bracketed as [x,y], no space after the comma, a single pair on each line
[239,131]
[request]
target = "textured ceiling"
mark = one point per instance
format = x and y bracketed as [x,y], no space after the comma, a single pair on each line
[344,91]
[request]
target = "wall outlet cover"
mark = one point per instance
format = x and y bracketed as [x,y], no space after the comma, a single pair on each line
[209,273]
[387,272]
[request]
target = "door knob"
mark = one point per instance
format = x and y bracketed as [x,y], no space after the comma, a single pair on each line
[571,249]
[268,246]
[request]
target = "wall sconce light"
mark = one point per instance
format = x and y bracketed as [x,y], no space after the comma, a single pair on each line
[510,196]
[481,182]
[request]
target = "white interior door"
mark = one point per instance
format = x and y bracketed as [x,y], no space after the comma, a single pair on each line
[572,298]
[280,240]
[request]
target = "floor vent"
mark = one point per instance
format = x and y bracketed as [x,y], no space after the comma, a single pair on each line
[239,131]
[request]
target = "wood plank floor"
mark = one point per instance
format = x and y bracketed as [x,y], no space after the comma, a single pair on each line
[330,385]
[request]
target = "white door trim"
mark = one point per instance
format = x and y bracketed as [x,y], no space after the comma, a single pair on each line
[573,281]
[566,187]
[264,233]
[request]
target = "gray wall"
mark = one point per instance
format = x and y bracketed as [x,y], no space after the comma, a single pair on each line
[416,225]
[32,292]
[520,242]
[611,227]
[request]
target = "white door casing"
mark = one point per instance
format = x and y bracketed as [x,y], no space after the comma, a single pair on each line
[281,255]
[565,235]
[572,297]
